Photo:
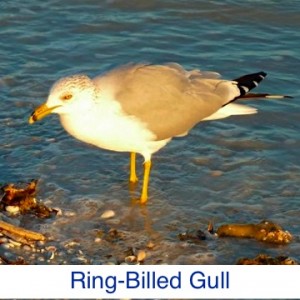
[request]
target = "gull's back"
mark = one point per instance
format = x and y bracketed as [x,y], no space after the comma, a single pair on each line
[168,99]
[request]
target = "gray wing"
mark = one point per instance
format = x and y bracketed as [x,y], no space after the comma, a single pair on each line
[168,99]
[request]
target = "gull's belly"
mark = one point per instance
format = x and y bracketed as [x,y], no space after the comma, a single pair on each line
[113,132]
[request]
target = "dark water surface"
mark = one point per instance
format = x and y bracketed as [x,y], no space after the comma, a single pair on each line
[242,169]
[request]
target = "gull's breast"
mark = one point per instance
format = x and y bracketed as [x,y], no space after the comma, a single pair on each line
[108,127]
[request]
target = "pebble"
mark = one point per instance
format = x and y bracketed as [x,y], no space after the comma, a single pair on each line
[15,243]
[49,255]
[41,243]
[59,211]
[150,245]
[97,240]
[9,256]
[41,259]
[51,252]
[216,173]
[108,214]
[71,244]
[3,240]
[69,213]
[79,260]
[12,209]
[130,259]
[141,255]
[6,246]
[71,252]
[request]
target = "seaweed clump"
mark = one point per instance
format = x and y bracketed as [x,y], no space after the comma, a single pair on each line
[263,259]
[264,231]
[22,200]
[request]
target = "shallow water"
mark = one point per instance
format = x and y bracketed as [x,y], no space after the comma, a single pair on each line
[242,169]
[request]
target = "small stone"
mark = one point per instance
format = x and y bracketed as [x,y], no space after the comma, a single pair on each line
[15,243]
[130,259]
[12,209]
[192,235]
[50,255]
[69,213]
[6,246]
[3,240]
[141,255]
[59,211]
[79,260]
[108,214]
[41,259]
[70,244]
[130,251]
[9,255]
[51,248]
[97,240]
[216,173]
[41,243]
[150,245]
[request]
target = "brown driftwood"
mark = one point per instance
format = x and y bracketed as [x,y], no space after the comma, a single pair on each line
[12,230]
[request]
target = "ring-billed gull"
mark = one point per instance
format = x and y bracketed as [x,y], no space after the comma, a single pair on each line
[139,108]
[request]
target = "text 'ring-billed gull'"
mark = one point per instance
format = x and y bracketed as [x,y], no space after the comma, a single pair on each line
[139,108]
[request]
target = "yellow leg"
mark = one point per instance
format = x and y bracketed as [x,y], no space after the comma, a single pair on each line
[132,177]
[147,168]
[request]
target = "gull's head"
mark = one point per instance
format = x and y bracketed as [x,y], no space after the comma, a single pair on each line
[67,95]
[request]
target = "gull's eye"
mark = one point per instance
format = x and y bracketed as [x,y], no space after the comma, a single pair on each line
[66,97]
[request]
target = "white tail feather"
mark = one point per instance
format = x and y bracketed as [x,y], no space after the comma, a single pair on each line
[232,109]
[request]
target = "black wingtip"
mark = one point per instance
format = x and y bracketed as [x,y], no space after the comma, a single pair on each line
[248,82]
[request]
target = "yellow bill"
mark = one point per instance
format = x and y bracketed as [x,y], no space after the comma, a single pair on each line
[41,112]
